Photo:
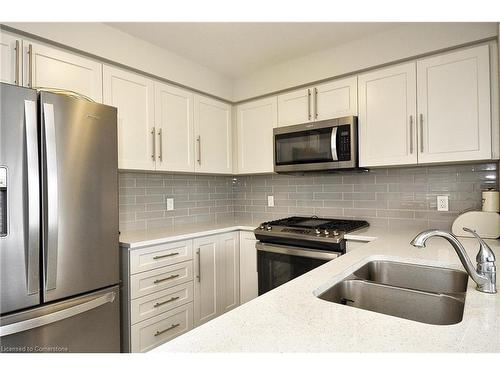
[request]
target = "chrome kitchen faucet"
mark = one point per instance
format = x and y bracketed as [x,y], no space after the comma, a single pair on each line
[485,273]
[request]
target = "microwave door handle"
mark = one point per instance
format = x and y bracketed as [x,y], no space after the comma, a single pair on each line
[333,144]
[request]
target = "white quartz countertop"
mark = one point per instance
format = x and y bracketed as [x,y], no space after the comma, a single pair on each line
[139,238]
[134,239]
[291,318]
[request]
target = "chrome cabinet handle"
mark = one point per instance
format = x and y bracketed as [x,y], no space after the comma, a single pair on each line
[421,132]
[315,103]
[160,156]
[18,63]
[198,139]
[309,104]
[198,253]
[153,155]
[30,66]
[158,304]
[165,256]
[157,281]
[158,333]
[411,134]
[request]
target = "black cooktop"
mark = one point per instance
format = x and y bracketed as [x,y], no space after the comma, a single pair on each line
[320,223]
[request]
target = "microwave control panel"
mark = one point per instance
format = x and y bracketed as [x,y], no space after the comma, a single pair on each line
[344,143]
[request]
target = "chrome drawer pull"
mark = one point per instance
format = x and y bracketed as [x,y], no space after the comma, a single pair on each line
[165,279]
[158,333]
[165,256]
[164,302]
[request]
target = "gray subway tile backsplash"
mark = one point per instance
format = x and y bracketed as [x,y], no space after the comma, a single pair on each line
[385,197]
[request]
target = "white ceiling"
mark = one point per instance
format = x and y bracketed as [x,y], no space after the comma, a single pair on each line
[238,49]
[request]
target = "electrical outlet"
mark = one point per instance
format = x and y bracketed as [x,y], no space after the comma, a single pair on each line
[270,201]
[170,204]
[442,203]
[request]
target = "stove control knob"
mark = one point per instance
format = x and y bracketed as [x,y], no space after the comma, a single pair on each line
[318,232]
[326,232]
[261,226]
[268,228]
[335,233]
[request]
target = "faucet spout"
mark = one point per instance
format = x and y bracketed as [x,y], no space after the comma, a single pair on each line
[485,274]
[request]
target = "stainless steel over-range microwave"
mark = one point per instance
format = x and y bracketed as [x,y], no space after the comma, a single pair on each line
[315,146]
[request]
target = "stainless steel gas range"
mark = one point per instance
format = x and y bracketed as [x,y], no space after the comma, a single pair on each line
[290,247]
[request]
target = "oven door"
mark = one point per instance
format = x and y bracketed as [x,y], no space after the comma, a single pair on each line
[278,264]
[322,145]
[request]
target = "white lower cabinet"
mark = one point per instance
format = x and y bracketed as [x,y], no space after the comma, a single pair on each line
[217,271]
[249,287]
[161,298]
[155,331]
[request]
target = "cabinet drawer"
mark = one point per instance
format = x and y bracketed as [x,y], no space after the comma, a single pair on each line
[160,256]
[157,303]
[162,328]
[153,281]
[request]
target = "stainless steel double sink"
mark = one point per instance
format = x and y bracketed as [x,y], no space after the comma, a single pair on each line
[421,293]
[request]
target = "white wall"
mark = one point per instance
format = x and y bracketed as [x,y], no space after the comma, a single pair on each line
[401,42]
[112,44]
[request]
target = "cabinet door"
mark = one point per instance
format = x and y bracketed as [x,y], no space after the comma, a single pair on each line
[336,99]
[212,123]
[229,271]
[133,95]
[387,116]
[175,128]
[295,107]
[249,287]
[53,68]
[256,121]
[205,282]
[10,59]
[454,106]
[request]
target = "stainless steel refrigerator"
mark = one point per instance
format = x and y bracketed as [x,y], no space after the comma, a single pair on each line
[59,260]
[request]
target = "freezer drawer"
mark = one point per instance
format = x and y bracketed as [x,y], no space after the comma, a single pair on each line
[89,323]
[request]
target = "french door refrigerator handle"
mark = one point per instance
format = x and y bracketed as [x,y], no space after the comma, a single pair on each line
[57,315]
[33,207]
[51,198]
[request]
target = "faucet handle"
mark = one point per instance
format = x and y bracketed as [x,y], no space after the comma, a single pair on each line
[485,253]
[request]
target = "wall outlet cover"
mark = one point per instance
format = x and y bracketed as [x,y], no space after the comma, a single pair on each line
[170,204]
[270,201]
[442,203]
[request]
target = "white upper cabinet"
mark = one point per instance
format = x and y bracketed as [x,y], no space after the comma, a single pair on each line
[255,123]
[453,94]
[174,128]
[387,116]
[48,67]
[10,59]
[213,136]
[294,107]
[325,101]
[337,98]
[133,95]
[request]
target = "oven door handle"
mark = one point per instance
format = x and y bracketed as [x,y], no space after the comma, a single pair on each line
[294,251]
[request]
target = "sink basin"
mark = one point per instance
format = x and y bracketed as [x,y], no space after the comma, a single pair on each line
[414,276]
[424,294]
[424,307]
